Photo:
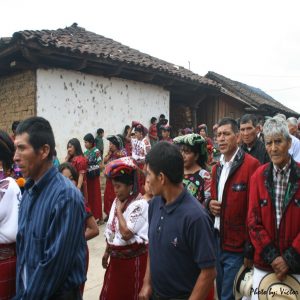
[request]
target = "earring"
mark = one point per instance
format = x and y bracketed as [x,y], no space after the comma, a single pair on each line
[131,193]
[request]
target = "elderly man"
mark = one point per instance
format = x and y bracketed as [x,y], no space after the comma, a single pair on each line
[251,144]
[229,193]
[274,208]
[293,127]
[295,143]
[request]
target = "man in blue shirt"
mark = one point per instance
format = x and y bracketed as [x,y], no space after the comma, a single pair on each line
[181,262]
[51,249]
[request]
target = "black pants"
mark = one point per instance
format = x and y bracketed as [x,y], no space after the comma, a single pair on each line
[73,294]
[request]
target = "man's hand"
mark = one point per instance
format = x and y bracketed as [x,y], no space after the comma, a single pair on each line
[215,207]
[145,292]
[280,267]
[105,260]
[248,263]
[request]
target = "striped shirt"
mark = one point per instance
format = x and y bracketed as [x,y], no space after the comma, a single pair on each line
[280,179]
[51,247]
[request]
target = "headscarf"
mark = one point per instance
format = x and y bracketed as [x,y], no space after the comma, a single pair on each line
[139,127]
[192,140]
[116,140]
[165,127]
[187,130]
[124,168]
[203,126]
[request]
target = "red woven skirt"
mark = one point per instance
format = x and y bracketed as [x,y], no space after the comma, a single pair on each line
[7,271]
[109,196]
[141,179]
[94,196]
[124,276]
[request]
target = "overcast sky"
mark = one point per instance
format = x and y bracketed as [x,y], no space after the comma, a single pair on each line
[256,42]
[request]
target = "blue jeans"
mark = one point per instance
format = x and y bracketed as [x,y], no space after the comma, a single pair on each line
[228,264]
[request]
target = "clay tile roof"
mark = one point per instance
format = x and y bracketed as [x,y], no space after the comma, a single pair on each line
[253,96]
[76,40]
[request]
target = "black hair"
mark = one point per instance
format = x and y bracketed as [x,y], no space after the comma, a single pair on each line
[100,130]
[40,133]
[127,179]
[139,129]
[125,130]
[89,138]
[162,116]
[248,118]
[202,158]
[113,139]
[70,167]
[167,159]
[153,119]
[14,125]
[231,122]
[7,150]
[163,121]
[75,142]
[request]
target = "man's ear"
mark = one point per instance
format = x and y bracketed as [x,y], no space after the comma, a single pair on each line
[44,151]
[163,178]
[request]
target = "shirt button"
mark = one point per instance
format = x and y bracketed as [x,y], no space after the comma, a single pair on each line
[159,228]
[161,218]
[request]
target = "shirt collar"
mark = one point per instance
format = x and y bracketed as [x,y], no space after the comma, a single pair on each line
[284,169]
[35,187]
[169,208]
[222,159]
[245,147]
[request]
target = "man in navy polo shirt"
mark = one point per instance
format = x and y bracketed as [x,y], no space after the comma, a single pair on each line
[181,262]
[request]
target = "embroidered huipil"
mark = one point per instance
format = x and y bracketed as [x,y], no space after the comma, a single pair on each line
[140,148]
[136,217]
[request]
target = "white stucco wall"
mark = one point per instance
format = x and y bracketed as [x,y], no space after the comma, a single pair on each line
[77,103]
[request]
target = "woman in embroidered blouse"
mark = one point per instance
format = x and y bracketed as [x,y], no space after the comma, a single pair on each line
[196,178]
[10,196]
[116,150]
[93,156]
[126,234]
[79,162]
[140,148]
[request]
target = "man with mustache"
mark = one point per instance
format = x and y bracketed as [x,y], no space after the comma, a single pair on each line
[229,194]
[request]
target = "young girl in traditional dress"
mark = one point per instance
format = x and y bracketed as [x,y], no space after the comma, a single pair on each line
[93,156]
[79,162]
[126,234]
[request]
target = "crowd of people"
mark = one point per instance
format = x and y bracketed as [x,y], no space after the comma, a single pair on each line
[184,217]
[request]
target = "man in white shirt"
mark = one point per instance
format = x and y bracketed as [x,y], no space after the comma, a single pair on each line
[229,194]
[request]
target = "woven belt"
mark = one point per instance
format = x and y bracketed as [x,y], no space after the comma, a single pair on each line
[7,252]
[128,253]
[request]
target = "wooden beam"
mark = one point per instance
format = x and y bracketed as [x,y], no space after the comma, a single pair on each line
[9,51]
[29,56]
[20,65]
[115,71]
